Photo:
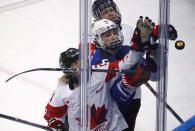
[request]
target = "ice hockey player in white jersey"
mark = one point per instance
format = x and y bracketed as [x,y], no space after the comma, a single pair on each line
[105,114]
[107,9]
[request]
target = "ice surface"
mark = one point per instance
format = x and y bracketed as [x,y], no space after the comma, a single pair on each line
[34,35]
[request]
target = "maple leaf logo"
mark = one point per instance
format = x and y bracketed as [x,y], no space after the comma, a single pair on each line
[97,116]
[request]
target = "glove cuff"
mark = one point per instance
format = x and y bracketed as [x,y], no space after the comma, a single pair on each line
[129,83]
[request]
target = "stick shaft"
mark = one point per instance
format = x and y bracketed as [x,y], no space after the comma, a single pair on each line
[167,105]
[25,122]
[58,69]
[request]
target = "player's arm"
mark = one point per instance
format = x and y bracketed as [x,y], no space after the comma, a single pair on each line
[124,89]
[135,73]
[55,112]
[140,42]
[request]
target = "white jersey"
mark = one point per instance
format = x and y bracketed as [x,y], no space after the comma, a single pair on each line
[127,32]
[105,115]
[110,118]
[70,99]
[104,112]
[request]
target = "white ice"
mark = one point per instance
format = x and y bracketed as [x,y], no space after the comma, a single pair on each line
[33,36]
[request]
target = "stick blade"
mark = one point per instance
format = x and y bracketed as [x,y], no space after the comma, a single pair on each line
[188,125]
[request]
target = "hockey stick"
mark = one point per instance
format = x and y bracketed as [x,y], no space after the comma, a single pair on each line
[40,69]
[167,105]
[67,70]
[98,70]
[26,122]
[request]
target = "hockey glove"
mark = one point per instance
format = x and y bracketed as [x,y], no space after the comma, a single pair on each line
[57,124]
[150,62]
[172,32]
[142,39]
[133,80]
[121,93]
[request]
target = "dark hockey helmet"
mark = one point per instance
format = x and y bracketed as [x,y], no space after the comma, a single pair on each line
[99,5]
[68,57]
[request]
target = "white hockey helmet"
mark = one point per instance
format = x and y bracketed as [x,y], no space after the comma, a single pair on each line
[102,26]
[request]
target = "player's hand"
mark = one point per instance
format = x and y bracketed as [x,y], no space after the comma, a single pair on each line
[142,39]
[150,62]
[145,26]
[57,125]
[135,79]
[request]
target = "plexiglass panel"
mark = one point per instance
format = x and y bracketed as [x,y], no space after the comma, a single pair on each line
[33,36]
[35,32]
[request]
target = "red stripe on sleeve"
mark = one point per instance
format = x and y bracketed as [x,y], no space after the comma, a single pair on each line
[52,112]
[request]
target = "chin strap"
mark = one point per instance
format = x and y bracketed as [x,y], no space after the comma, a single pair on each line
[73,81]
